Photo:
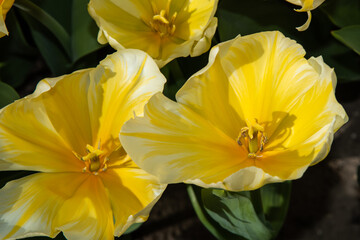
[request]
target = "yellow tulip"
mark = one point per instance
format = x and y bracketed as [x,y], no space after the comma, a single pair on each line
[5,6]
[306,6]
[164,29]
[67,131]
[259,112]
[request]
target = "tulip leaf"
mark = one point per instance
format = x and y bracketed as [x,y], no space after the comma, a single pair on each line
[252,215]
[7,94]
[342,12]
[235,212]
[84,30]
[350,36]
[212,226]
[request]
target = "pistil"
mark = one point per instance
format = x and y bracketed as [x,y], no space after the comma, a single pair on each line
[253,139]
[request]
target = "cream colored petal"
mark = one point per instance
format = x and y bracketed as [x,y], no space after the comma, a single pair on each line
[5,6]
[29,205]
[132,193]
[204,43]
[176,144]
[306,25]
[136,78]
[29,141]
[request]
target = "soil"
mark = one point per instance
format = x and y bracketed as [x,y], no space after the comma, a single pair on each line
[325,202]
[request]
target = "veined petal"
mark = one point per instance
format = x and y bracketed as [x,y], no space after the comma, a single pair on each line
[87,214]
[261,68]
[29,205]
[132,193]
[33,144]
[177,144]
[5,6]
[136,78]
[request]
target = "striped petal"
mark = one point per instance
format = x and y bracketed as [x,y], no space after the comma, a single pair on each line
[29,205]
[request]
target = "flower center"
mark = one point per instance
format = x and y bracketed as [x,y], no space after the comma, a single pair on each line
[94,161]
[163,24]
[253,139]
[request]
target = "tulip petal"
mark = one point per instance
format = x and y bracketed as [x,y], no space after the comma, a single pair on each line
[140,189]
[87,214]
[28,205]
[176,144]
[22,141]
[5,6]
[136,79]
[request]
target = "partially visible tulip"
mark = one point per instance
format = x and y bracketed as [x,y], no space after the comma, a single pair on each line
[5,6]
[165,29]
[306,6]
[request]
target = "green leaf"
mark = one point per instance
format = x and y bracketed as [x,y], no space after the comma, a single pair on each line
[342,12]
[350,36]
[9,70]
[84,31]
[214,228]
[275,202]
[235,212]
[133,228]
[7,94]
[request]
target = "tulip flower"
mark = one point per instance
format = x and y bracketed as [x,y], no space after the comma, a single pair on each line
[5,6]
[258,113]
[85,184]
[164,29]
[306,6]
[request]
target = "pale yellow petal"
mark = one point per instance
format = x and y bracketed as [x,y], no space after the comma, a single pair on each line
[29,205]
[136,78]
[306,25]
[5,6]
[132,193]
[179,145]
[29,141]
[261,68]
[209,94]
[204,43]
[87,214]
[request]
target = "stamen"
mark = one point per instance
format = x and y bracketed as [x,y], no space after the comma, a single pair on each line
[92,159]
[253,139]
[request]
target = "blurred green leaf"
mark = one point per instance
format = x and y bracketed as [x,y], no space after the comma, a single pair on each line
[350,36]
[47,20]
[7,94]
[83,29]
[342,12]
[275,202]
[9,70]
[54,56]
[133,228]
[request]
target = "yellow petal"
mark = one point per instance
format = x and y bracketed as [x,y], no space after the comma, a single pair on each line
[132,193]
[34,143]
[87,213]
[5,6]
[177,144]
[306,25]
[136,78]
[29,205]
